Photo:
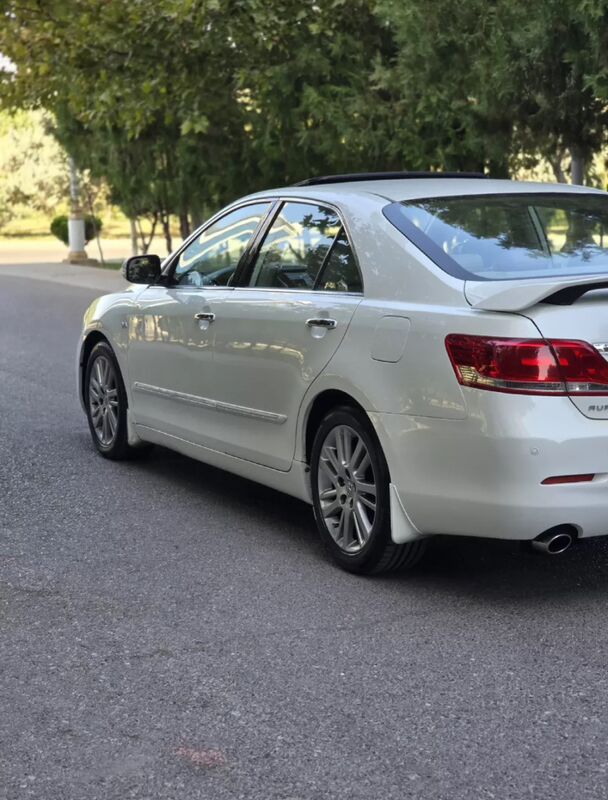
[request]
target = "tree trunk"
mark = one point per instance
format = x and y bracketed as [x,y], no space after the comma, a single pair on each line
[95,228]
[145,243]
[498,168]
[134,246]
[556,166]
[197,219]
[577,166]
[184,225]
[166,223]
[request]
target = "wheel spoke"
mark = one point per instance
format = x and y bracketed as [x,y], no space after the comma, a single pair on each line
[94,388]
[344,527]
[357,454]
[106,371]
[371,504]
[330,509]
[332,457]
[104,429]
[366,488]
[328,468]
[343,442]
[99,373]
[112,421]
[358,530]
[363,520]
[364,464]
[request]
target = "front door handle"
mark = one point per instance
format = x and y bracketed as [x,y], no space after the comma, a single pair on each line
[206,316]
[322,322]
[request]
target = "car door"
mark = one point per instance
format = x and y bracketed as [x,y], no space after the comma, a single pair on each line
[277,330]
[171,333]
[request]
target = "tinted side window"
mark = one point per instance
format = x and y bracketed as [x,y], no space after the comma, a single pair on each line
[295,247]
[211,259]
[340,273]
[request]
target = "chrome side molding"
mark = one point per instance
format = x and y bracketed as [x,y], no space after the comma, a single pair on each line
[207,402]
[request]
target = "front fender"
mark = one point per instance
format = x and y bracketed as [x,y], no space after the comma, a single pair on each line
[107,317]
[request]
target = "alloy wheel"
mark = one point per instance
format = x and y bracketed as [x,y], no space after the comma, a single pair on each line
[347,488]
[103,400]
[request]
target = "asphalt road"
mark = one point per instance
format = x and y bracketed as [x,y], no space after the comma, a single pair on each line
[170,631]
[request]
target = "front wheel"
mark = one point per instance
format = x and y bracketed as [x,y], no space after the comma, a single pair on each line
[106,404]
[350,492]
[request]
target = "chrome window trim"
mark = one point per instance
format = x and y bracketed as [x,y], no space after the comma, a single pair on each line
[186,288]
[328,292]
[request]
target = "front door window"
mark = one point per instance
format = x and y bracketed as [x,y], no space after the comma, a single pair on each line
[212,258]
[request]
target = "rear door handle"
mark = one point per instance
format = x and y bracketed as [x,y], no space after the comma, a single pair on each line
[322,322]
[207,316]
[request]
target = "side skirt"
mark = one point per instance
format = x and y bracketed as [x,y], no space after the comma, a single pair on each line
[295,482]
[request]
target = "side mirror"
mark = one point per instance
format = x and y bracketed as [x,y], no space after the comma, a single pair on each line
[141,269]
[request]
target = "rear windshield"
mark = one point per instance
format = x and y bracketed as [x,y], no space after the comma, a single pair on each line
[502,237]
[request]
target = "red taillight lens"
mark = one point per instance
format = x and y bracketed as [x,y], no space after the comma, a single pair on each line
[528,366]
[559,479]
[583,368]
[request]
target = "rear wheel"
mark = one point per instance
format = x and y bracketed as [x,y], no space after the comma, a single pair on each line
[350,491]
[106,404]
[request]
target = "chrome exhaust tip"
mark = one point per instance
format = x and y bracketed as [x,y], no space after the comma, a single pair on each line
[555,541]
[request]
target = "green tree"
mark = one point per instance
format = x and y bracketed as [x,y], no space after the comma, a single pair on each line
[187,107]
[547,68]
[33,169]
[145,100]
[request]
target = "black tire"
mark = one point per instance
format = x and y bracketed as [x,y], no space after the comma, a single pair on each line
[116,446]
[379,553]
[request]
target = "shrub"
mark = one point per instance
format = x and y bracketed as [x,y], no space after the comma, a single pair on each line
[59,228]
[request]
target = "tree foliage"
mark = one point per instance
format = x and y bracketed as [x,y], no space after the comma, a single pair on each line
[59,227]
[185,104]
[33,169]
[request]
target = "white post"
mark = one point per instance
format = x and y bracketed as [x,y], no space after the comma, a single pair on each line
[77,253]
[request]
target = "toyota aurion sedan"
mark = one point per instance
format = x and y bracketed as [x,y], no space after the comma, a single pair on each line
[412,354]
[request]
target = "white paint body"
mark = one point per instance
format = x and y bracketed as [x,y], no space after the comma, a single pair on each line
[237,394]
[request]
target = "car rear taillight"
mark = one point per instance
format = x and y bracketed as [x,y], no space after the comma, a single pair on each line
[527,366]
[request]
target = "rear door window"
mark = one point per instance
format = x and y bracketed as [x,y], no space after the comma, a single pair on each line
[340,272]
[305,242]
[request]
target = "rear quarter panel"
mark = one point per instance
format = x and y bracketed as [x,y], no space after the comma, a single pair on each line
[414,376]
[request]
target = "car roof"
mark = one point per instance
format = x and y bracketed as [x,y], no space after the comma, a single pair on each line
[418,188]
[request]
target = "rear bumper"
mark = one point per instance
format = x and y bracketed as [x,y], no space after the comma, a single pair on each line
[482,476]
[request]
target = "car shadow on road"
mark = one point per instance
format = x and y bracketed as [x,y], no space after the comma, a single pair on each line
[492,569]
[509,571]
[283,515]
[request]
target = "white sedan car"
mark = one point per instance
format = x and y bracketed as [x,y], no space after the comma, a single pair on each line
[411,354]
